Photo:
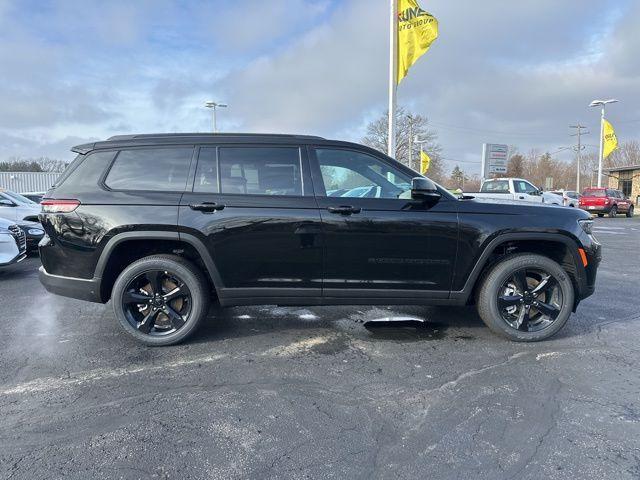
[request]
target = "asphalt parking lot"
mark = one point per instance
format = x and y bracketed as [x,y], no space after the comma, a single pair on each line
[271,392]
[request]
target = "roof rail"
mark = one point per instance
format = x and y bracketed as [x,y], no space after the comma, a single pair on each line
[182,135]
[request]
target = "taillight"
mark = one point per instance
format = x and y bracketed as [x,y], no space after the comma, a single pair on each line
[606,201]
[59,206]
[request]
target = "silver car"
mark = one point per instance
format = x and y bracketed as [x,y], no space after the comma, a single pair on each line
[13,243]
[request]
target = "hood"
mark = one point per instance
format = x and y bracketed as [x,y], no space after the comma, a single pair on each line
[5,224]
[515,207]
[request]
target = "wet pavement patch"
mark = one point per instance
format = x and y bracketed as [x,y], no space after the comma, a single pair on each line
[332,346]
[405,330]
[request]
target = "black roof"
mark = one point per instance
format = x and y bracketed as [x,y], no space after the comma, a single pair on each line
[180,138]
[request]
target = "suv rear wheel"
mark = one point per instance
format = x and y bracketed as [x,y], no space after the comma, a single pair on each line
[526,298]
[161,299]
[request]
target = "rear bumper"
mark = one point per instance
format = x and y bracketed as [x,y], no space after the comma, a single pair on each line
[79,288]
[596,208]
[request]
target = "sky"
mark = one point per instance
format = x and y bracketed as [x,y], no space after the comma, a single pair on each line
[501,72]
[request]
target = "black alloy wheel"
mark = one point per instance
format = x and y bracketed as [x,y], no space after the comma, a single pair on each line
[161,299]
[530,300]
[526,297]
[157,302]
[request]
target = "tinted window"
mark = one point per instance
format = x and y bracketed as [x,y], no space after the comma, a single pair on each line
[207,173]
[87,171]
[347,173]
[495,186]
[610,193]
[593,193]
[260,170]
[164,169]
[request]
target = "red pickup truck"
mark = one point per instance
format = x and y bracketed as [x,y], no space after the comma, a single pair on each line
[603,201]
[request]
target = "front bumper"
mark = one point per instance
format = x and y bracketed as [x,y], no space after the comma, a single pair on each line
[10,251]
[79,288]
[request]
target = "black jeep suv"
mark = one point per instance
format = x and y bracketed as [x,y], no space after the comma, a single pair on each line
[163,224]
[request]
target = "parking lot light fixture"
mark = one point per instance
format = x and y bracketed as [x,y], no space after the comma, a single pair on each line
[214,106]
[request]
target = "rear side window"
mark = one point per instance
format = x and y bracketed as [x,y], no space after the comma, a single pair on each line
[207,173]
[495,186]
[260,170]
[158,169]
[85,171]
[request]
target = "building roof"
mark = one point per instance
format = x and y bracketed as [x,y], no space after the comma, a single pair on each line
[622,169]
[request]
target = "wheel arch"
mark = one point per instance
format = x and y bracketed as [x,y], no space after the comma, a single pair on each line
[125,247]
[560,248]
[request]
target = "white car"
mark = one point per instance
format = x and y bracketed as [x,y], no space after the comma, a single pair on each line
[13,243]
[509,189]
[16,208]
[564,197]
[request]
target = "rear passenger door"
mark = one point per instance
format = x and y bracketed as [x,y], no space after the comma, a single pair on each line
[253,207]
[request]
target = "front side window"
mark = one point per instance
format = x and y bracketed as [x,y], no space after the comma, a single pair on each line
[521,186]
[260,170]
[157,169]
[348,173]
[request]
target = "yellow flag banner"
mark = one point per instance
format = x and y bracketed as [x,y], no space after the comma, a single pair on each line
[425,162]
[417,30]
[610,139]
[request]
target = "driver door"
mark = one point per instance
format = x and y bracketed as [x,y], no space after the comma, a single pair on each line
[377,243]
[526,191]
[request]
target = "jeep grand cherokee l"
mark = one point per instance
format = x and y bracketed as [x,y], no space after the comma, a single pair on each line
[164,224]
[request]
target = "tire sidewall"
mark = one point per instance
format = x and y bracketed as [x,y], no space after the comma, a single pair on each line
[488,298]
[187,273]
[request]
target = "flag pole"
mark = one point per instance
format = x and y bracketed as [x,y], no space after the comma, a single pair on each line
[393,76]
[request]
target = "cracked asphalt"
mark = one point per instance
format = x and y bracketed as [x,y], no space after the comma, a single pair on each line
[270,392]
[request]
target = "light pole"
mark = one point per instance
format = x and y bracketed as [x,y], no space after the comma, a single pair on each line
[420,142]
[213,106]
[603,104]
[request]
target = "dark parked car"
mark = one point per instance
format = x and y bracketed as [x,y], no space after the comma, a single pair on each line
[33,233]
[164,224]
[607,201]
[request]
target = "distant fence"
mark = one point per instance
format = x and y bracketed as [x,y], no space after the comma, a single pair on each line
[21,182]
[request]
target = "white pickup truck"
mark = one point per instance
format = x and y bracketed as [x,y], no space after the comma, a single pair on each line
[511,189]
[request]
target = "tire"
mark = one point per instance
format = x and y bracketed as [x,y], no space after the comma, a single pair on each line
[502,272]
[175,325]
[613,212]
[600,215]
[630,212]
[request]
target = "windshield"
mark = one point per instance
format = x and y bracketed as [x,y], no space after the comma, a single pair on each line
[19,198]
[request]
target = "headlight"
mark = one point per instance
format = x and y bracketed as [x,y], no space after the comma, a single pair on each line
[35,231]
[587,225]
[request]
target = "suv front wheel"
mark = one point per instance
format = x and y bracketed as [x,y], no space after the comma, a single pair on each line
[526,298]
[161,299]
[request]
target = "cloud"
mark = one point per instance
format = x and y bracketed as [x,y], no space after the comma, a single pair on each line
[512,72]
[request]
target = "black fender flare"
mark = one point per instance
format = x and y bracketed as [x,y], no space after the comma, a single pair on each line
[195,242]
[463,295]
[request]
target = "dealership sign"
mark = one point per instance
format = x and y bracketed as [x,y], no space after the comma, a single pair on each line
[494,159]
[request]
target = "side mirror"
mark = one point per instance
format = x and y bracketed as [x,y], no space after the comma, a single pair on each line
[6,203]
[425,190]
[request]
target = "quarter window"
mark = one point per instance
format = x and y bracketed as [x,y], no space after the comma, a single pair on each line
[260,170]
[347,173]
[158,169]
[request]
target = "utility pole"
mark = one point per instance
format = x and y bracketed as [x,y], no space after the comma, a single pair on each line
[578,134]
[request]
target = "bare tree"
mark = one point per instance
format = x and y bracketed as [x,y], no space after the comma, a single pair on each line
[408,124]
[515,167]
